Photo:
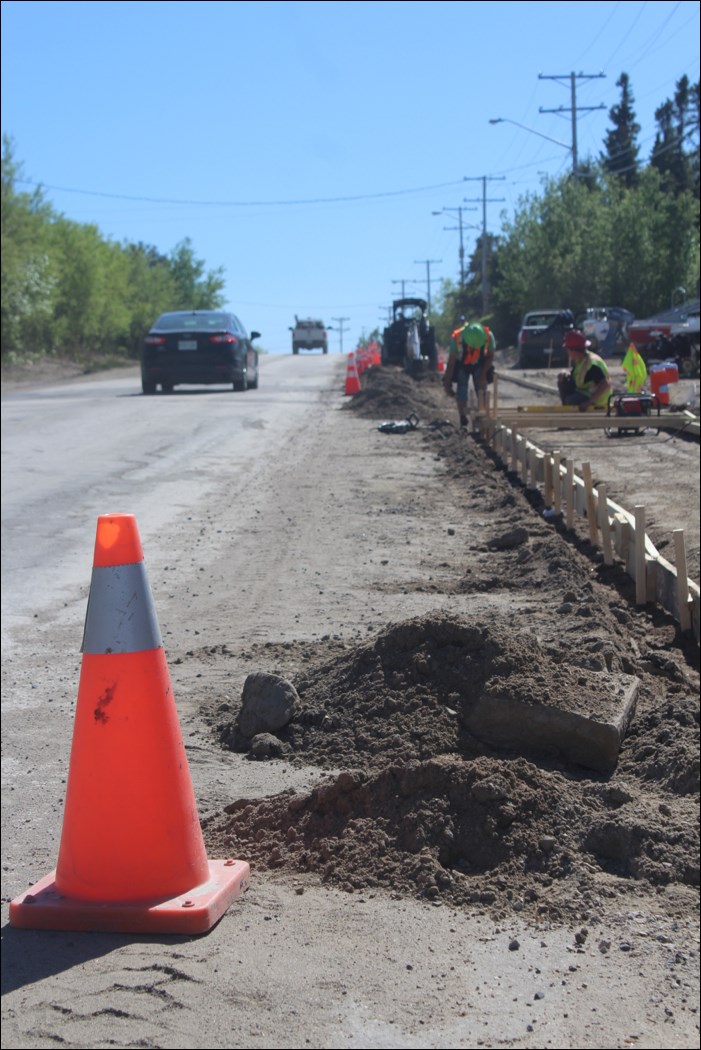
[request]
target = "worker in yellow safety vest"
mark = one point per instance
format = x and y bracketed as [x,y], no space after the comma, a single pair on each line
[635,370]
[588,385]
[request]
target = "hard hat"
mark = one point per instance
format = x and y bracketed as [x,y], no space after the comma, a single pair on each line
[475,336]
[576,340]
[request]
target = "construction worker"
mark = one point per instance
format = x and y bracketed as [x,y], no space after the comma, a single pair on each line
[635,370]
[470,353]
[588,385]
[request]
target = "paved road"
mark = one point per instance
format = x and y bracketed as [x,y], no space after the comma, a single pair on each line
[73,452]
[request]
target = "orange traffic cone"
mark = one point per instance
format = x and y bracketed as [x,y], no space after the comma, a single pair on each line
[352,377]
[132,858]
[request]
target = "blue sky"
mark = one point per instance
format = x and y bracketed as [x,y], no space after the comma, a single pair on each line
[304,146]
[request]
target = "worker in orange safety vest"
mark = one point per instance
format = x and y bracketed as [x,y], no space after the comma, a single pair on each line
[470,353]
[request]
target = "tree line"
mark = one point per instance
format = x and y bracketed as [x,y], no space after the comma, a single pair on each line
[69,291]
[616,232]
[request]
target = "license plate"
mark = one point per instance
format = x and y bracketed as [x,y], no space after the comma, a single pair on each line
[187,344]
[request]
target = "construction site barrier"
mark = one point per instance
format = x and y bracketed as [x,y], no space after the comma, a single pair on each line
[611,527]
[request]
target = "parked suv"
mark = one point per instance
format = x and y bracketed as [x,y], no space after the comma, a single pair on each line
[540,338]
[198,346]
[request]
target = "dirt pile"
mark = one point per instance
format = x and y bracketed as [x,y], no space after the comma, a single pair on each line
[502,833]
[409,695]
[423,808]
[390,393]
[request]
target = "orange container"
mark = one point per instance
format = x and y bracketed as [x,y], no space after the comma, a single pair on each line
[660,378]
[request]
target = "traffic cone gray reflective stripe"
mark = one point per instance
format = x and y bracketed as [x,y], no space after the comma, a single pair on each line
[121,616]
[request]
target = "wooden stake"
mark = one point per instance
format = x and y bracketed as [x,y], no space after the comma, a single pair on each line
[557,480]
[495,394]
[514,448]
[605,525]
[591,502]
[640,562]
[569,493]
[548,480]
[682,580]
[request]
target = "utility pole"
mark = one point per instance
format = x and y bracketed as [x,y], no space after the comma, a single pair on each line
[428,262]
[341,329]
[573,109]
[484,179]
[459,227]
[402,281]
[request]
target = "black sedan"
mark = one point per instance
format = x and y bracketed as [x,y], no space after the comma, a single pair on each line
[200,347]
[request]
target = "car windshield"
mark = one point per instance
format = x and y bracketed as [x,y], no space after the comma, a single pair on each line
[536,320]
[180,322]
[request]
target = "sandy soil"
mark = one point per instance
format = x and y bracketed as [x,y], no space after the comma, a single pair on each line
[412,886]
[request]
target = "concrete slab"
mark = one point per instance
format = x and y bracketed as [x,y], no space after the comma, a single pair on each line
[587,729]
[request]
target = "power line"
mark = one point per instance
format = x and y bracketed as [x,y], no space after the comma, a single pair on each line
[238,204]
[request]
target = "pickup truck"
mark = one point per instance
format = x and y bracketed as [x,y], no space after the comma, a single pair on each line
[309,334]
[540,338]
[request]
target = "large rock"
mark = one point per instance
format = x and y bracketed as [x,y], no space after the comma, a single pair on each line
[268,704]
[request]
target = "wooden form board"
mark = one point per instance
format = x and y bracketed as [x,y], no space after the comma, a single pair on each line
[558,417]
[610,525]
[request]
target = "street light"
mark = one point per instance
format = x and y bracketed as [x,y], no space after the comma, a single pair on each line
[505,120]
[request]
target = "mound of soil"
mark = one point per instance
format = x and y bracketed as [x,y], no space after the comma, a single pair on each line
[482,831]
[390,393]
[408,695]
[421,807]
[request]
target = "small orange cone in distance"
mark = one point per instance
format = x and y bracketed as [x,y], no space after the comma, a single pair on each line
[132,857]
[352,377]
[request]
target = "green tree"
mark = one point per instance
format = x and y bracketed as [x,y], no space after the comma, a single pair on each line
[27,282]
[675,153]
[576,247]
[89,310]
[621,156]
[150,292]
[194,288]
